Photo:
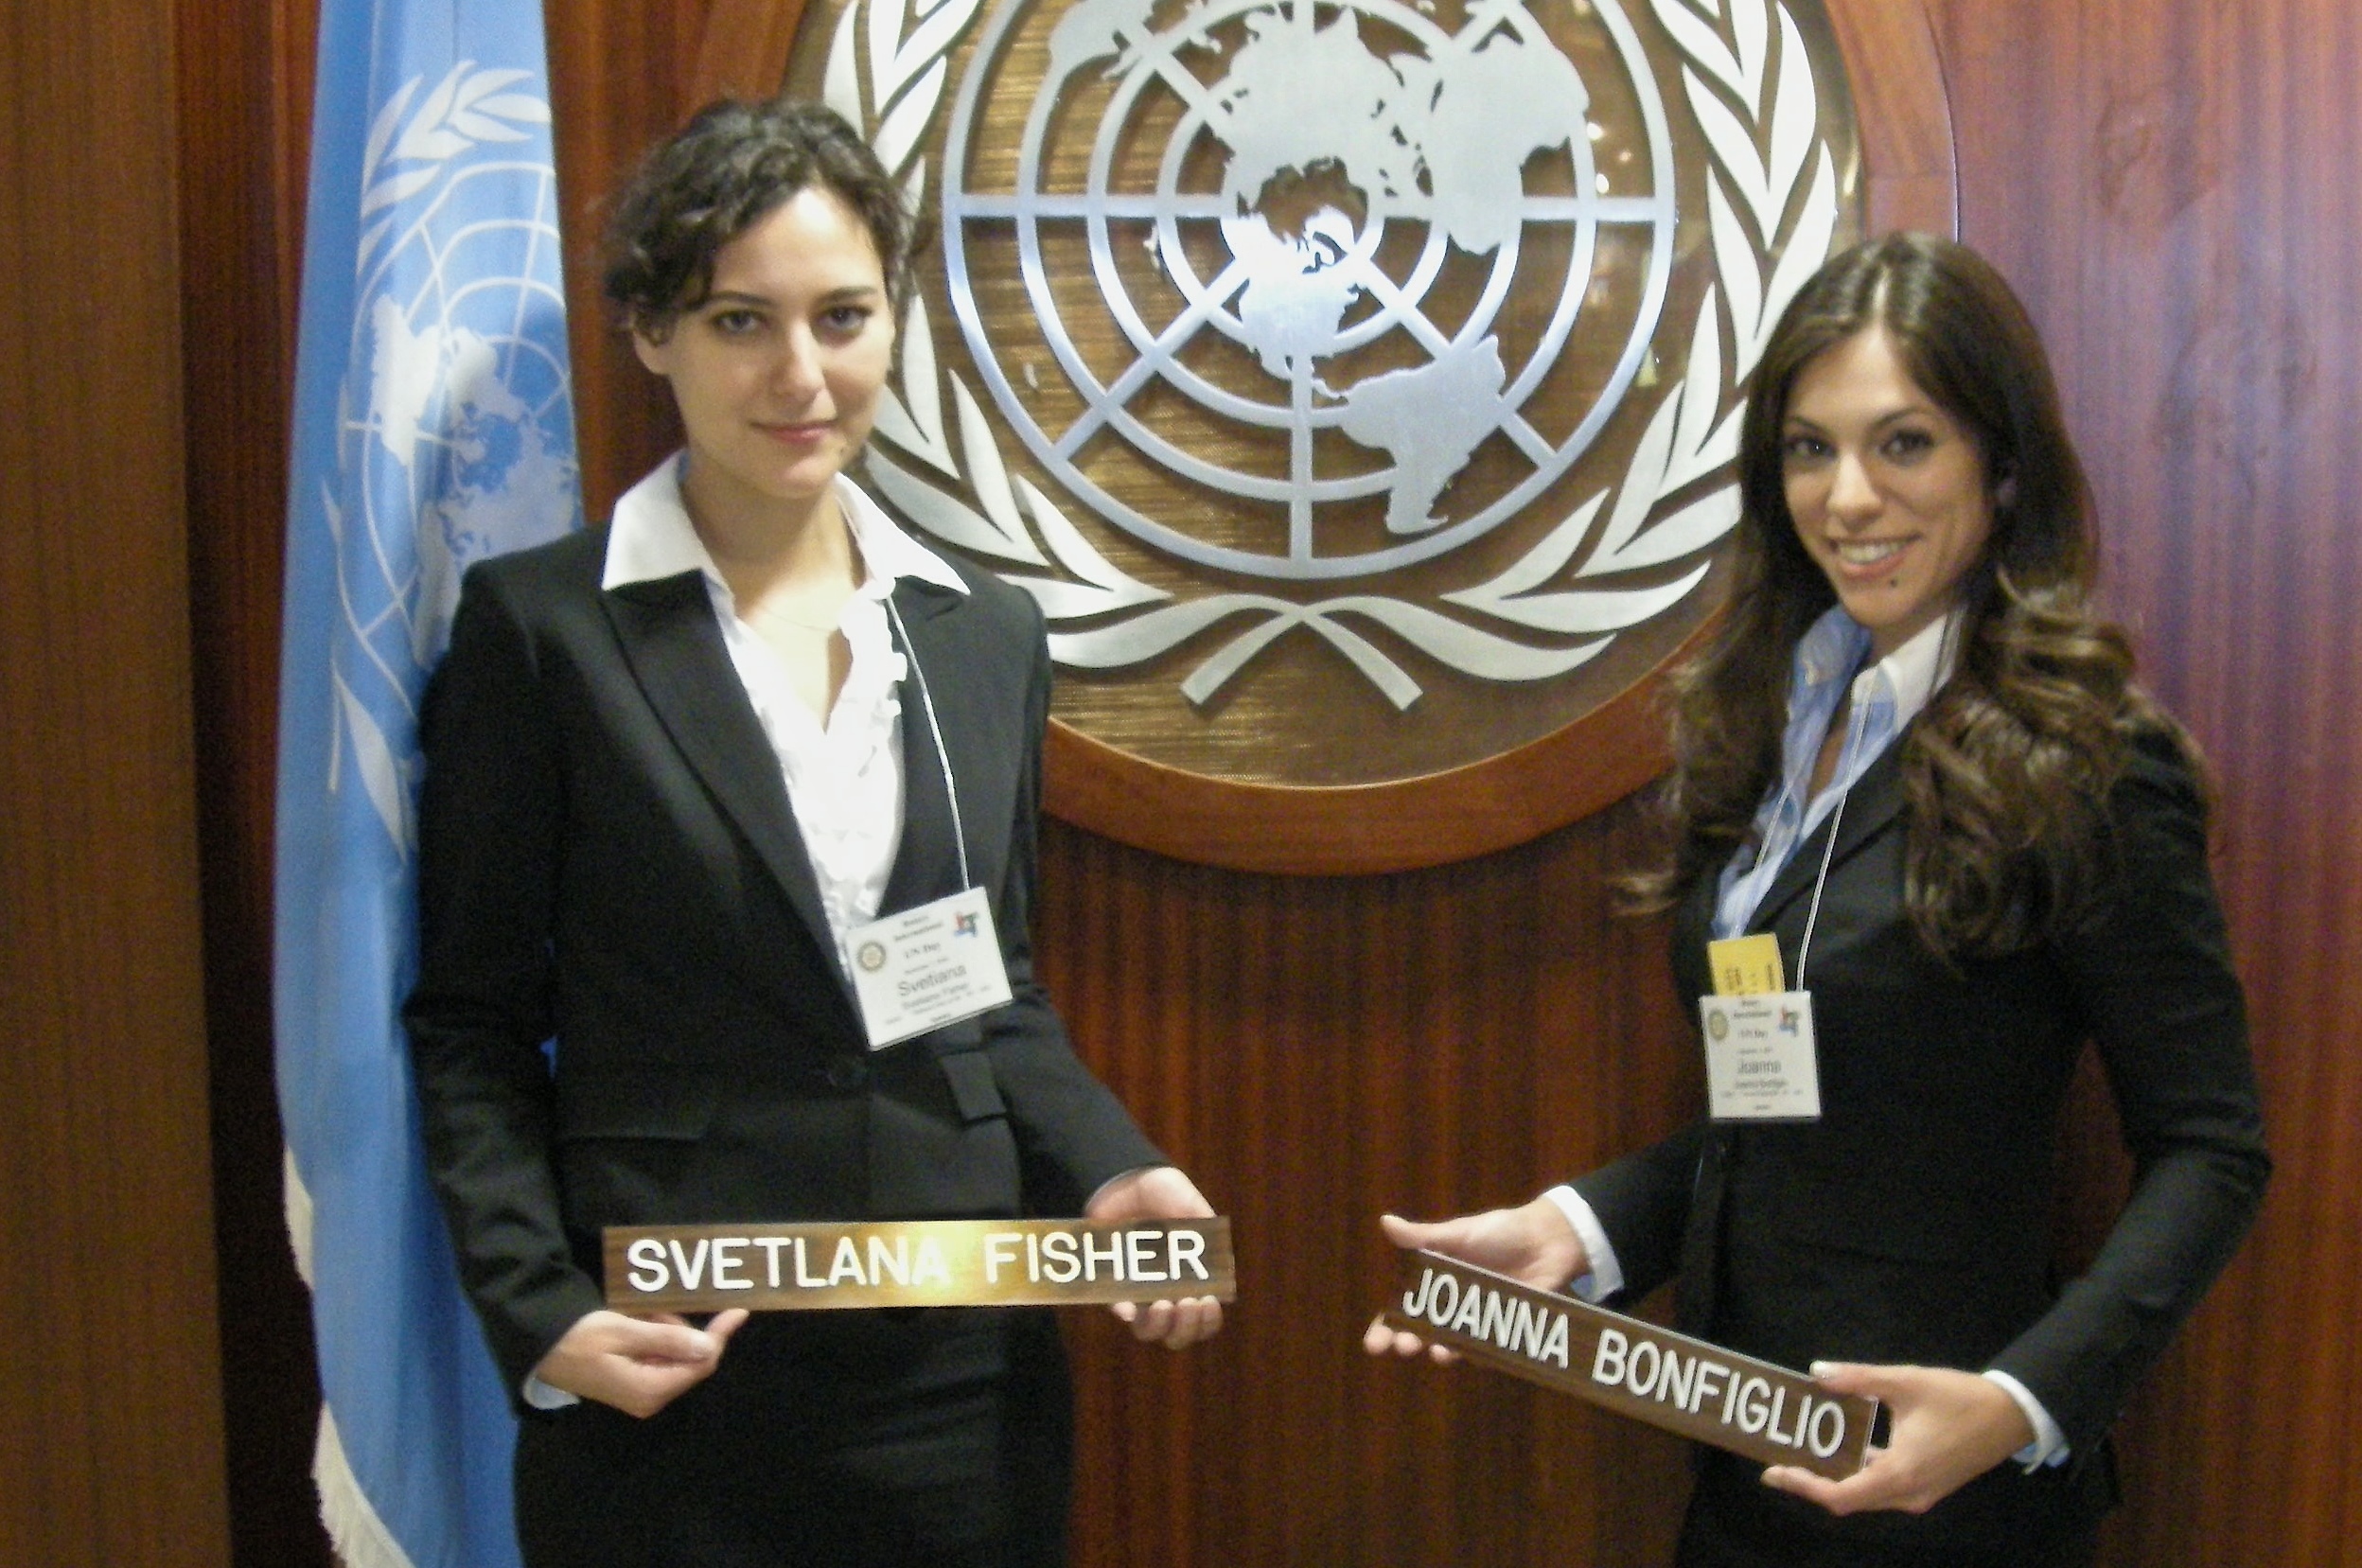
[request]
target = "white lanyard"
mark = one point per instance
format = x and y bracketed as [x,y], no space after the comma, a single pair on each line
[942,756]
[1854,722]
[920,969]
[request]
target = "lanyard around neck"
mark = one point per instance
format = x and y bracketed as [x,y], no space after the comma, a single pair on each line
[942,755]
[1855,721]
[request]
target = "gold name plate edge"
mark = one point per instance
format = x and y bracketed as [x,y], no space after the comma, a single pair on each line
[825,1265]
[1719,1418]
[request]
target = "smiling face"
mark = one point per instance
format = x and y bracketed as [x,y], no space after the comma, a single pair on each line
[1887,491]
[778,372]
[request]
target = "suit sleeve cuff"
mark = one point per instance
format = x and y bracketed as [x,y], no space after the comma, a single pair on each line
[1607,1275]
[2049,1444]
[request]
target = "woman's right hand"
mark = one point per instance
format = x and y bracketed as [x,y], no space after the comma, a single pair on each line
[1533,1244]
[638,1364]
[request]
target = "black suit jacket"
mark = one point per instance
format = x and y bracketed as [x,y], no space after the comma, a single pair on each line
[608,860]
[1912,1222]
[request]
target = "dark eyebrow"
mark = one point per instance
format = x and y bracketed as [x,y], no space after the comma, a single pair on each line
[1915,411]
[728,299]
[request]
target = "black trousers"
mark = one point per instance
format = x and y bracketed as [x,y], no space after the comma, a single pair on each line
[853,1440]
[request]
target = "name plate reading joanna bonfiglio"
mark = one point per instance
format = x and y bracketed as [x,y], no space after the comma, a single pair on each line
[915,1263]
[1684,1386]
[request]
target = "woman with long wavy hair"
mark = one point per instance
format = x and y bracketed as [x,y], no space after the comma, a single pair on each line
[1913,754]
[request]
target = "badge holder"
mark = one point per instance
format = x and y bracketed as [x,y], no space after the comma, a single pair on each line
[1763,1063]
[941,963]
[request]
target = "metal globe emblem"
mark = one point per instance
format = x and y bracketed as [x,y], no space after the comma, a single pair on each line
[1352,384]
[1435,136]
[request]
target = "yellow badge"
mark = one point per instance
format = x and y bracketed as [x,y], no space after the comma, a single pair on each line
[1747,966]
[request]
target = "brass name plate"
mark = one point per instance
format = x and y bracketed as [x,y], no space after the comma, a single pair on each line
[1684,1386]
[915,1263]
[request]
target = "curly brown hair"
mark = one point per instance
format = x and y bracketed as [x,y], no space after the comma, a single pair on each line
[2006,773]
[720,175]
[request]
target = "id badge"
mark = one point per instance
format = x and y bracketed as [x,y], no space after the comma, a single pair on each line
[927,967]
[1761,1063]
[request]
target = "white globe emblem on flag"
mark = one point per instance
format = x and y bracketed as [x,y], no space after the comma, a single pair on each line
[455,437]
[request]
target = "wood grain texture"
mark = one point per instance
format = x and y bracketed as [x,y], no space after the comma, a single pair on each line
[2171,185]
[1911,174]
[243,104]
[112,1424]
[1314,1051]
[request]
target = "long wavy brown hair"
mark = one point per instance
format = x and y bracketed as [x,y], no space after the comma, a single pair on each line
[2006,773]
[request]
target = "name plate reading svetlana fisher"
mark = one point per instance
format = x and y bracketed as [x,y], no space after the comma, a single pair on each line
[1684,1386]
[915,1263]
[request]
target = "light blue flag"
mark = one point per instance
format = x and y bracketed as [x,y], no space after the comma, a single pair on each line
[433,425]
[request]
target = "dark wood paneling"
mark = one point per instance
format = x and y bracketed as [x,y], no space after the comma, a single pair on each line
[1314,1051]
[2171,185]
[112,1424]
[621,78]
[243,107]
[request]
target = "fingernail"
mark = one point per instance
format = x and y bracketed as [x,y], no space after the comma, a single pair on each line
[1823,1368]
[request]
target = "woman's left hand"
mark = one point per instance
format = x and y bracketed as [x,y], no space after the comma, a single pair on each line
[1160,1192]
[1947,1429]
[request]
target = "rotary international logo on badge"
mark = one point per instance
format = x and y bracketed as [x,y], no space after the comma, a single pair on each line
[1353,384]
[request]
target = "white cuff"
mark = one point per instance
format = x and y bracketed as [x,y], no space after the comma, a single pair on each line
[546,1395]
[2049,1444]
[1607,1275]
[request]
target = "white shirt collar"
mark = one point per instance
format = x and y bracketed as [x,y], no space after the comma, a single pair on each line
[650,536]
[1912,672]
[1835,644]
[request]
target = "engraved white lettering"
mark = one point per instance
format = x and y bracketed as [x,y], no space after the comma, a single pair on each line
[1113,1258]
[1186,1247]
[895,1261]
[1060,1264]
[1607,1364]
[1753,1410]
[1413,1302]
[689,1267]
[1823,1446]
[1139,1247]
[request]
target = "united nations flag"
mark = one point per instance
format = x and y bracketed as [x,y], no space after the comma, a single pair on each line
[432,425]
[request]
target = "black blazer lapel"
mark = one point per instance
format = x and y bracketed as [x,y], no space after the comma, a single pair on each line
[675,649]
[926,864]
[1873,804]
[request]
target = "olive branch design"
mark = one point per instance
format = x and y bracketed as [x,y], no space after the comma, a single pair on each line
[1761,126]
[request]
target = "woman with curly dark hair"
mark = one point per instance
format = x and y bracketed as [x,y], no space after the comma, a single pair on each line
[1915,757]
[674,767]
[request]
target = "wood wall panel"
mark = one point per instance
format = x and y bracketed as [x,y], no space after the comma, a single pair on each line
[2171,185]
[1314,1051]
[110,1426]
[243,105]
[2169,182]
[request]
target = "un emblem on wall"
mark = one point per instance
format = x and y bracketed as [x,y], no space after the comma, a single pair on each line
[1353,383]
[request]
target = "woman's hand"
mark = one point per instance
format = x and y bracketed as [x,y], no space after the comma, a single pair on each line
[1160,1192]
[1533,1244]
[1947,1429]
[638,1364]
